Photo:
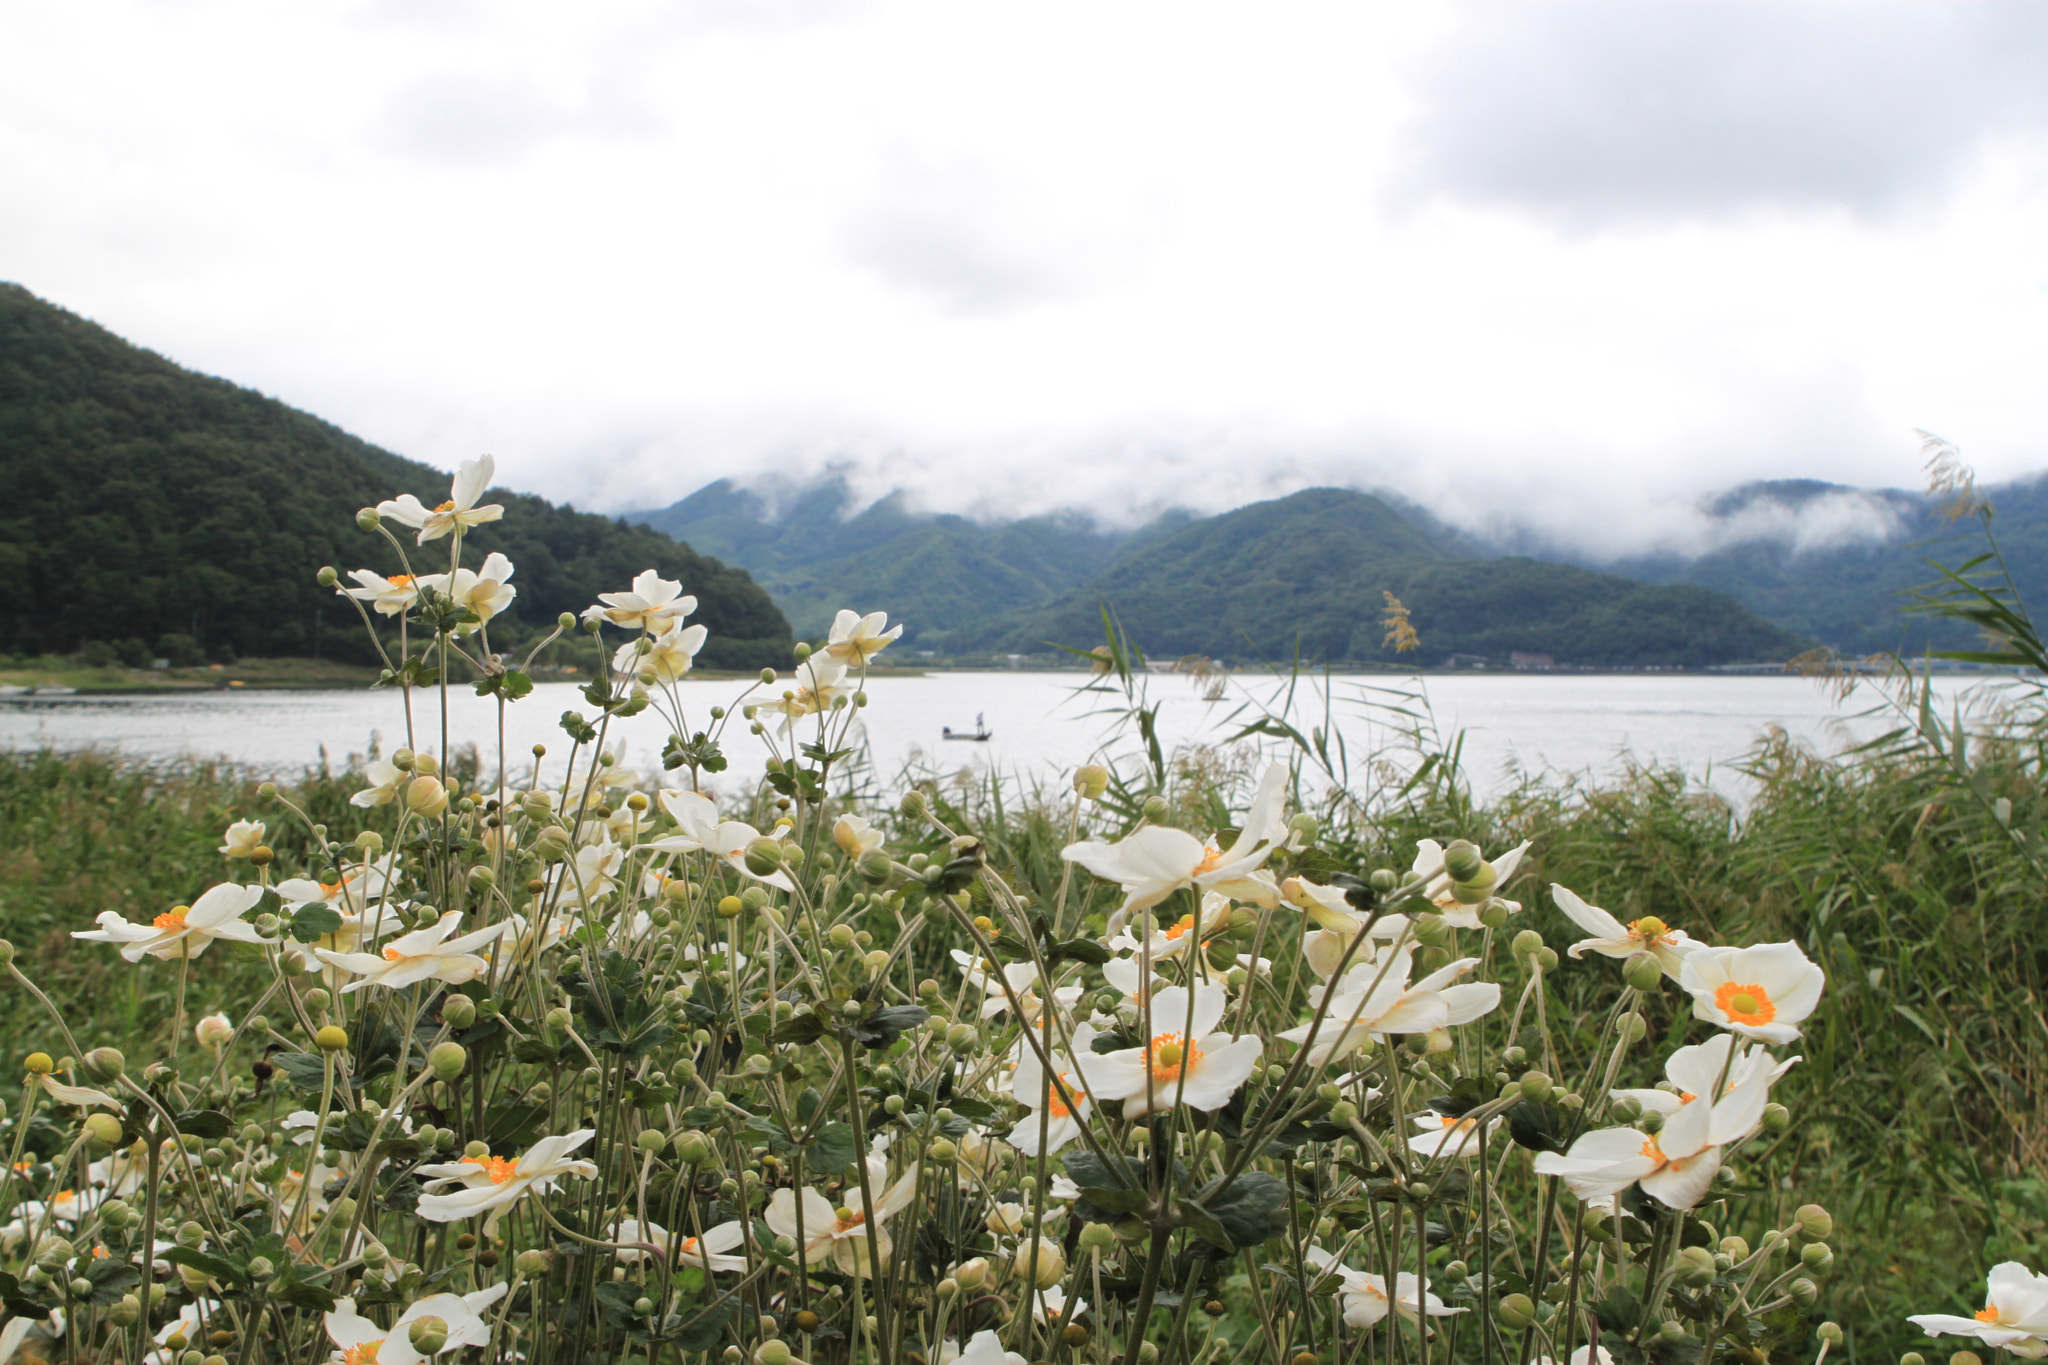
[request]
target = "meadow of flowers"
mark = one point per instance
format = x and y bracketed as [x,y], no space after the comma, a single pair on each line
[692,1064]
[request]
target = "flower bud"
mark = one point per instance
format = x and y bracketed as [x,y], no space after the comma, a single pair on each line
[1430,930]
[428,1335]
[1695,1267]
[941,1150]
[1830,1333]
[532,1262]
[1804,1292]
[773,1353]
[764,857]
[1494,914]
[1965,1358]
[425,796]
[1091,780]
[1516,1311]
[1097,1237]
[125,1311]
[1735,1248]
[558,1021]
[1814,1223]
[1535,1085]
[103,1129]
[213,1032]
[1643,972]
[104,1063]
[1777,1118]
[1462,860]
[971,1275]
[332,1038]
[1546,959]
[1040,1262]
[458,1012]
[1005,1220]
[368,520]
[39,1063]
[1528,943]
[447,1060]
[1817,1257]
[370,843]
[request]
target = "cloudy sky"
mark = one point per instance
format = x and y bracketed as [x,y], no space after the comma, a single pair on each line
[1570,264]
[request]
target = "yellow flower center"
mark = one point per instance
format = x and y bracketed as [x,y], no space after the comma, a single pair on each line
[365,1354]
[1180,930]
[1056,1101]
[173,919]
[1450,1122]
[392,955]
[849,1220]
[1651,1150]
[1211,856]
[1170,1056]
[1649,929]
[403,580]
[499,1168]
[1988,1313]
[448,506]
[1745,1004]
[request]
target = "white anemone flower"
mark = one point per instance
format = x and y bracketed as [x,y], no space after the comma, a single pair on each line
[392,596]
[855,836]
[706,1252]
[1611,938]
[1178,937]
[699,829]
[243,838]
[1157,860]
[484,592]
[983,1348]
[1375,998]
[183,930]
[1051,1307]
[1127,975]
[1019,977]
[670,654]
[651,604]
[360,1341]
[1366,1301]
[1677,1165]
[855,638]
[472,477]
[818,682]
[423,955]
[385,780]
[1762,992]
[1429,865]
[1065,1099]
[1443,1137]
[1696,1070]
[2014,1316]
[839,1237]
[349,895]
[492,1182]
[1184,1060]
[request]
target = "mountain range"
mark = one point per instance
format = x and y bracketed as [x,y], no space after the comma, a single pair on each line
[1306,574]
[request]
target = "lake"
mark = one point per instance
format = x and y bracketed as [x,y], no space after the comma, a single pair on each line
[1587,726]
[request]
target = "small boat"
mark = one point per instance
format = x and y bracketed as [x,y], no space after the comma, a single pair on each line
[980,734]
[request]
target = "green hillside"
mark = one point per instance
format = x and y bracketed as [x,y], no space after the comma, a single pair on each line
[935,573]
[1309,570]
[139,500]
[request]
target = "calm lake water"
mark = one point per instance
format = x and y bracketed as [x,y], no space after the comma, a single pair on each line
[1583,726]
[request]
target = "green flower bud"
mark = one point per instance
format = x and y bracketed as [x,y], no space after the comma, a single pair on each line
[1430,930]
[1817,1257]
[1097,1237]
[532,1262]
[558,1021]
[425,796]
[103,1129]
[1155,808]
[1462,860]
[1535,1085]
[1965,1358]
[1383,881]
[368,520]
[327,577]
[764,857]
[332,1038]
[1814,1223]
[651,1140]
[125,1311]
[1091,781]
[458,1012]
[447,1060]
[1777,1118]
[1527,943]
[1546,959]
[1829,1332]
[1516,1311]
[1695,1267]
[773,1353]
[1494,914]
[428,1335]
[1643,972]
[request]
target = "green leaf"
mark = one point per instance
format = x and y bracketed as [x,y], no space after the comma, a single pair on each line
[799,1029]
[302,1069]
[110,1279]
[885,1026]
[1537,1125]
[221,1270]
[1078,950]
[210,1124]
[314,921]
[1249,1209]
[1204,1225]
[311,1297]
[703,1333]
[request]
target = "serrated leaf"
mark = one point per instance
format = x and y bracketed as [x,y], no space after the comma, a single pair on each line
[1538,1125]
[1204,1225]
[1078,950]
[210,1124]
[799,1029]
[310,922]
[302,1069]
[1249,1209]
[885,1026]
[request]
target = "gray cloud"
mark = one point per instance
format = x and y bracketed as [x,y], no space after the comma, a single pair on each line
[972,241]
[1601,110]
[484,118]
